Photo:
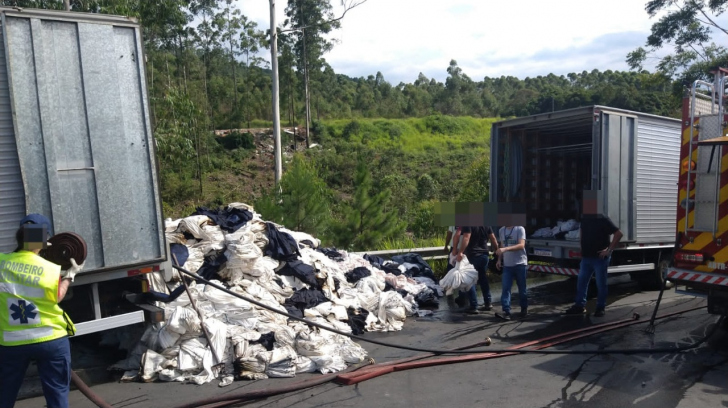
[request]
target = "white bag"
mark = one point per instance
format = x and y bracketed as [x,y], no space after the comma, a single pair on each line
[462,277]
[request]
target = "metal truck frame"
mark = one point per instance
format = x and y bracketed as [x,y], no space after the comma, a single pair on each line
[700,262]
[77,145]
[545,162]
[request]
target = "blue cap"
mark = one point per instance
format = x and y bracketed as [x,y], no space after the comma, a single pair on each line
[38,219]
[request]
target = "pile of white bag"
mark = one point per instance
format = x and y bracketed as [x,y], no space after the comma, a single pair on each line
[571,227]
[178,350]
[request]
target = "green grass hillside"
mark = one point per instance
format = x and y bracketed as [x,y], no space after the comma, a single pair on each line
[418,161]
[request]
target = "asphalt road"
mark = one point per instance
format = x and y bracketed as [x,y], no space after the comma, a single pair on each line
[695,378]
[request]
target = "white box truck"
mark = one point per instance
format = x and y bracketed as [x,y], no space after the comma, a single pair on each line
[546,161]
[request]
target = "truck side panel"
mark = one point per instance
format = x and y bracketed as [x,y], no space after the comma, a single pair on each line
[657,171]
[83,135]
[12,194]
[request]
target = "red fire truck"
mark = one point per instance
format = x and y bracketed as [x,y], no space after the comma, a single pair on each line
[700,260]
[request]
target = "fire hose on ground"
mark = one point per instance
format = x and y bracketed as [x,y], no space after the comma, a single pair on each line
[357,374]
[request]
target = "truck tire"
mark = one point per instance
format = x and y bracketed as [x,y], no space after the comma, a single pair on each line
[652,280]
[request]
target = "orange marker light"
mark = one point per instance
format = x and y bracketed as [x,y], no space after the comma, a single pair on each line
[688,164]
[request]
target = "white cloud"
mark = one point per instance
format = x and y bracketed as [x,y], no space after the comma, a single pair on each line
[521,38]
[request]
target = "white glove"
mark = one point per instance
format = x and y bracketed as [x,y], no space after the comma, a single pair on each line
[73,270]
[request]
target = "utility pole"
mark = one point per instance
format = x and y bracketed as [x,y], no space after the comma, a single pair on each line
[276,102]
[305,80]
[67,4]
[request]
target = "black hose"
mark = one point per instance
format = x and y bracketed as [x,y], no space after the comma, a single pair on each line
[442,351]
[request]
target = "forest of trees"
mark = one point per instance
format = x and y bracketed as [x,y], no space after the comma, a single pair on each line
[216,64]
[205,72]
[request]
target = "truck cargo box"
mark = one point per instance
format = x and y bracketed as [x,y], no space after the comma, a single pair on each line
[75,135]
[547,160]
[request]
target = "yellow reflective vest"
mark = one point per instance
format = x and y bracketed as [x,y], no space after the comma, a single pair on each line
[29,311]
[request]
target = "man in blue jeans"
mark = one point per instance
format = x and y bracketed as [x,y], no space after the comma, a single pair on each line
[514,261]
[473,243]
[596,252]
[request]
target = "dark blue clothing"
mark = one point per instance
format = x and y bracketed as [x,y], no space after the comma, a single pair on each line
[54,368]
[180,253]
[304,272]
[229,219]
[281,246]
[356,274]
[214,263]
[422,269]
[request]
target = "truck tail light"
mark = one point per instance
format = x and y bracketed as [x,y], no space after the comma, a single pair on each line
[574,254]
[693,257]
[688,165]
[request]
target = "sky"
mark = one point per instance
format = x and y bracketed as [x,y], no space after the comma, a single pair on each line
[522,38]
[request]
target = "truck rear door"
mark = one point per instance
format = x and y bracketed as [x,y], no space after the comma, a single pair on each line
[73,87]
[617,170]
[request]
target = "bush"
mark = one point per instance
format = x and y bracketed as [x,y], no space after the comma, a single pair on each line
[353,128]
[446,125]
[421,220]
[427,188]
[236,140]
[393,129]
[320,132]
[177,187]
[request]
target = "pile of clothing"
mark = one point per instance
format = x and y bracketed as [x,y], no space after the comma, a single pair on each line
[288,271]
[563,230]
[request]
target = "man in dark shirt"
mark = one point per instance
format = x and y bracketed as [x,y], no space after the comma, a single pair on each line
[596,252]
[473,243]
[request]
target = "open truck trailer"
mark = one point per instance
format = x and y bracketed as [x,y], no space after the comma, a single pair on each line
[546,161]
[700,264]
[77,146]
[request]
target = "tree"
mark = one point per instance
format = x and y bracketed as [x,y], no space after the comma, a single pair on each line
[229,22]
[208,39]
[370,219]
[475,184]
[427,188]
[250,41]
[310,21]
[303,204]
[287,75]
[687,26]
[180,133]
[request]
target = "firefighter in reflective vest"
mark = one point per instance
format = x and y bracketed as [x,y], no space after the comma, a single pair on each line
[32,325]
